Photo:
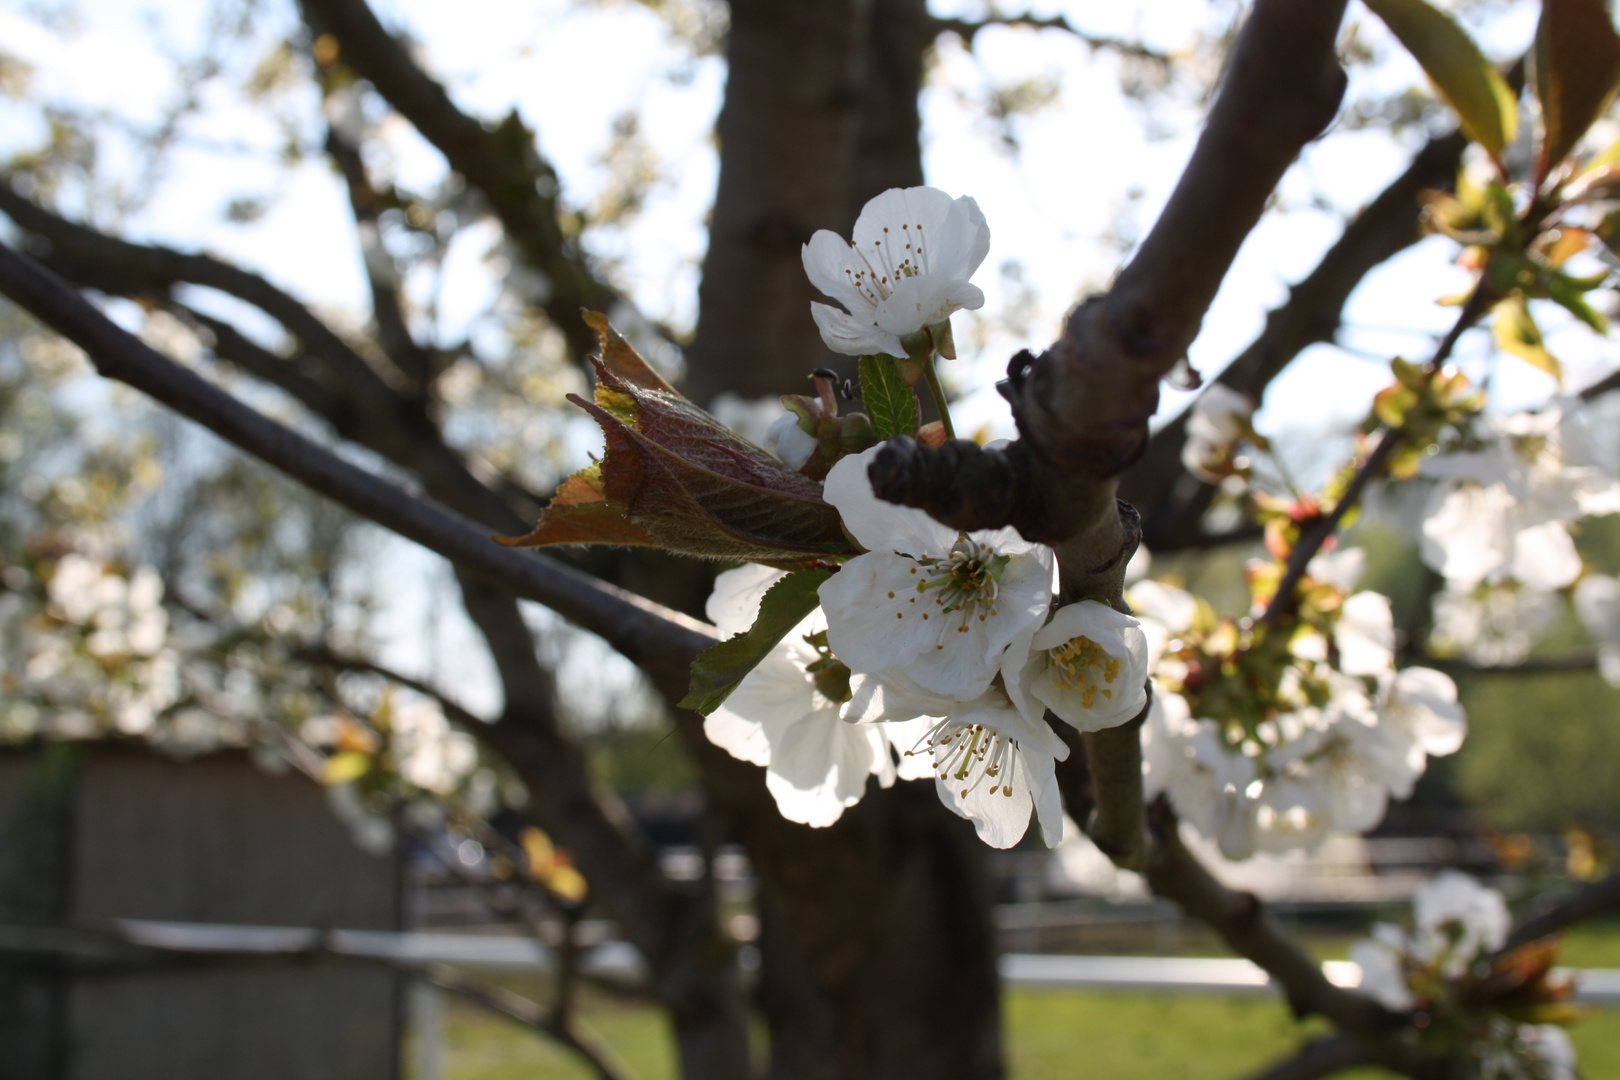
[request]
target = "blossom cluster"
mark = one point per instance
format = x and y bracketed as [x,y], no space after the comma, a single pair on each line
[1272,741]
[1474,1001]
[932,653]
[1495,523]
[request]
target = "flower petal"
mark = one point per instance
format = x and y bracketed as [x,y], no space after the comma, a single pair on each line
[922,301]
[877,525]
[849,336]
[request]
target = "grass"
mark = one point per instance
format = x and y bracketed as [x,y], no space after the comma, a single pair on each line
[1047,1033]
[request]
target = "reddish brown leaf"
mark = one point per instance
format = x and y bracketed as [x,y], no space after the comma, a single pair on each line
[1577,68]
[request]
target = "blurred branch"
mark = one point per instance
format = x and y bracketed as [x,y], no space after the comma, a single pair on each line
[603,1062]
[1318,1058]
[416,363]
[1241,921]
[1317,531]
[968,29]
[1082,407]
[647,634]
[1605,385]
[1551,916]
[386,414]
[1171,500]
[520,187]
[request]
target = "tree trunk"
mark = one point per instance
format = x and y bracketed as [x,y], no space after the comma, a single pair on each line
[879,959]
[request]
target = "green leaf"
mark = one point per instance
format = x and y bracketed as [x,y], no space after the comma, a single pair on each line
[1470,84]
[890,403]
[1516,332]
[1577,68]
[719,668]
[1570,293]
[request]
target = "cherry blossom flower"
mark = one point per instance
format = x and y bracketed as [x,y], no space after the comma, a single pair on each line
[1207,784]
[1491,625]
[1088,665]
[1365,634]
[927,607]
[779,716]
[907,268]
[991,763]
[1216,421]
[1501,511]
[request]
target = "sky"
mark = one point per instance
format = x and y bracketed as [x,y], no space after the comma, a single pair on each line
[1085,164]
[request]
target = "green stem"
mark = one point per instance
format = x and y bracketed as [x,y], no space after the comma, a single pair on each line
[936,388]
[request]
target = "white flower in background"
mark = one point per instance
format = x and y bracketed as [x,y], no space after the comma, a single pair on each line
[991,763]
[927,607]
[1215,423]
[1208,783]
[1597,601]
[124,616]
[1088,665]
[1502,511]
[1491,625]
[1418,708]
[430,754]
[1365,634]
[1341,568]
[907,268]
[815,764]
[752,418]
[789,442]
[1164,612]
[1457,919]
[1550,1047]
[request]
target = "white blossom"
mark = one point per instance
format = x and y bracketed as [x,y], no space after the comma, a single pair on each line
[1341,568]
[1501,511]
[1457,919]
[907,268]
[816,765]
[991,764]
[1597,601]
[1365,634]
[926,606]
[1088,665]
[1208,785]
[1491,625]
[1215,423]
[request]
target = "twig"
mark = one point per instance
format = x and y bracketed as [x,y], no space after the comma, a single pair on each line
[501,161]
[646,633]
[968,29]
[1583,903]
[1318,1058]
[1240,920]
[1317,533]
[1158,485]
[497,999]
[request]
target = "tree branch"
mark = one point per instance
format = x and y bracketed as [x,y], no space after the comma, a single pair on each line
[650,636]
[1082,407]
[1240,919]
[1552,916]
[520,187]
[968,29]
[1318,1058]
[1171,500]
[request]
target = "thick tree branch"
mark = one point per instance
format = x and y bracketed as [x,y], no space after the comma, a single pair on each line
[1171,500]
[520,187]
[1082,407]
[650,636]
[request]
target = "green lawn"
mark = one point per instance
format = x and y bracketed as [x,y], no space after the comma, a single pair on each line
[1117,1036]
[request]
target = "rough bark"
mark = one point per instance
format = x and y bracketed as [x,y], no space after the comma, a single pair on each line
[787,144]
